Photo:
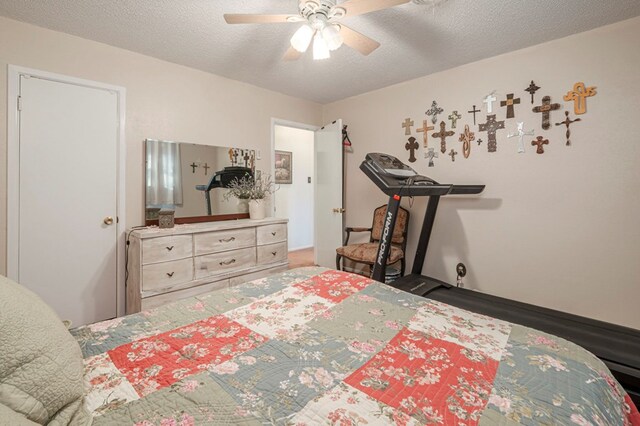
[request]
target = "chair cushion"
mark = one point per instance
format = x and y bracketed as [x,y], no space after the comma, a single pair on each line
[398,230]
[366,253]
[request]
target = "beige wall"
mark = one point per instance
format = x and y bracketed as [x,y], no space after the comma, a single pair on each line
[164,101]
[559,229]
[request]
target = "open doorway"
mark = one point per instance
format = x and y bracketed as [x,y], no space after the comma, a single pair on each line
[294,172]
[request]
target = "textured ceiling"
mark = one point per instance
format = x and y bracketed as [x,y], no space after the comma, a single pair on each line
[417,39]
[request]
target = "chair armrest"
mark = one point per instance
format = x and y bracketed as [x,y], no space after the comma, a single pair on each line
[350,229]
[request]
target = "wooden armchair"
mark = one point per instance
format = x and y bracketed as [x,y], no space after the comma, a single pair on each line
[366,252]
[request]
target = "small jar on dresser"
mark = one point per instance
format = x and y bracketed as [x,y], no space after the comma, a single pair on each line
[170,264]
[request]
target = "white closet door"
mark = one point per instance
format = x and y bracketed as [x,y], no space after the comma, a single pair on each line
[68,180]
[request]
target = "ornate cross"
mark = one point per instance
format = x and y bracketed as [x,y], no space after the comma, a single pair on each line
[434,111]
[193,167]
[407,126]
[454,117]
[545,109]
[532,89]
[425,132]
[453,154]
[540,142]
[489,100]
[520,134]
[411,146]
[466,139]
[431,154]
[567,122]
[509,102]
[474,111]
[442,134]
[491,126]
[206,167]
[579,96]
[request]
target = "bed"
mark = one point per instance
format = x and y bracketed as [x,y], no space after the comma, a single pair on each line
[317,346]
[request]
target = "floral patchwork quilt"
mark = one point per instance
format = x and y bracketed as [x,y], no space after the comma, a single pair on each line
[315,346]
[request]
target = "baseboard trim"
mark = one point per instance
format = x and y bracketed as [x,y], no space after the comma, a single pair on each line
[300,248]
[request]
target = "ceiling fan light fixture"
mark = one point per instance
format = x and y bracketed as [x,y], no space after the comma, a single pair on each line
[331,35]
[320,48]
[302,38]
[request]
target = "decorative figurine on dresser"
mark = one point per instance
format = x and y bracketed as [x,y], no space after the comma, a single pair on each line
[166,265]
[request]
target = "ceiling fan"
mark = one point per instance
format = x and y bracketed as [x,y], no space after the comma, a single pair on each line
[320,24]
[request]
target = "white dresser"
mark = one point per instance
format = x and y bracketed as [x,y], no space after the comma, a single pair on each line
[170,264]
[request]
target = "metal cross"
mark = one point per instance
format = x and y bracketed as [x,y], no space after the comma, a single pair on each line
[425,132]
[453,154]
[520,133]
[411,146]
[431,154]
[246,158]
[235,156]
[491,126]
[539,142]
[454,117]
[509,102]
[442,134]
[567,122]
[479,142]
[206,167]
[193,167]
[407,126]
[532,89]
[489,100]
[545,109]
[434,111]
[466,139]
[474,111]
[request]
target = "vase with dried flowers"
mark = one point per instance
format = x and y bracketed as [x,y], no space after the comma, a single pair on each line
[256,191]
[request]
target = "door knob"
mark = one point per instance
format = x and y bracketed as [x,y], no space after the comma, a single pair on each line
[339,210]
[108,220]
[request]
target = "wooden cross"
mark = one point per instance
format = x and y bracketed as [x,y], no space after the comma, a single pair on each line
[540,142]
[474,111]
[411,146]
[579,96]
[453,154]
[520,134]
[442,134]
[567,122]
[532,89]
[425,132]
[235,156]
[454,117]
[489,100]
[407,126]
[246,158]
[491,126]
[193,167]
[431,154]
[434,111]
[545,109]
[509,102]
[206,167]
[466,139]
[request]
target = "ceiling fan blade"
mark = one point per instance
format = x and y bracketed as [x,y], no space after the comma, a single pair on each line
[357,41]
[243,18]
[291,55]
[359,7]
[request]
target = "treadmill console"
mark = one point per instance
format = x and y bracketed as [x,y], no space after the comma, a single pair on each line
[388,165]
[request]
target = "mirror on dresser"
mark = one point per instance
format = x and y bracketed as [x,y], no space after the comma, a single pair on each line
[180,175]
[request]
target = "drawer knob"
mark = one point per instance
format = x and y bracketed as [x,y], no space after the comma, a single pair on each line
[170,274]
[228,262]
[274,253]
[170,248]
[273,233]
[227,240]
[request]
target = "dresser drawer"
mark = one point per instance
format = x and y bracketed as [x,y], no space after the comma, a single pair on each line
[218,263]
[161,249]
[271,233]
[162,299]
[272,253]
[158,276]
[213,242]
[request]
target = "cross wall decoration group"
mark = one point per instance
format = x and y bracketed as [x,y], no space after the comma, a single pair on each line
[578,95]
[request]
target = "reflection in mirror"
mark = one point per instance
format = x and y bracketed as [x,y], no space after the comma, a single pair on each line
[190,178]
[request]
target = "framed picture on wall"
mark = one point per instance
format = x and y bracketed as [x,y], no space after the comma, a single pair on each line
[284,169]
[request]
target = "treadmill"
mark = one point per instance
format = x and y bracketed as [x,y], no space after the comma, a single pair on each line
[222,179]
[617,346]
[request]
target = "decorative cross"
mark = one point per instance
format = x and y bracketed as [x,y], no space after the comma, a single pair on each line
[489,100]
[545,109]
[454,117]
[579,96]
[474,111]
[206,167]
[466,139]
[431,154]
[246,158]
[425,132]
[193,167]
[453,154]
[434,111]
[532,89]
[509,102]
[442,134]
[567,122]
[540,142]
[411,146]
[520,134]
[479,142]
[407,126]
[491,126]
